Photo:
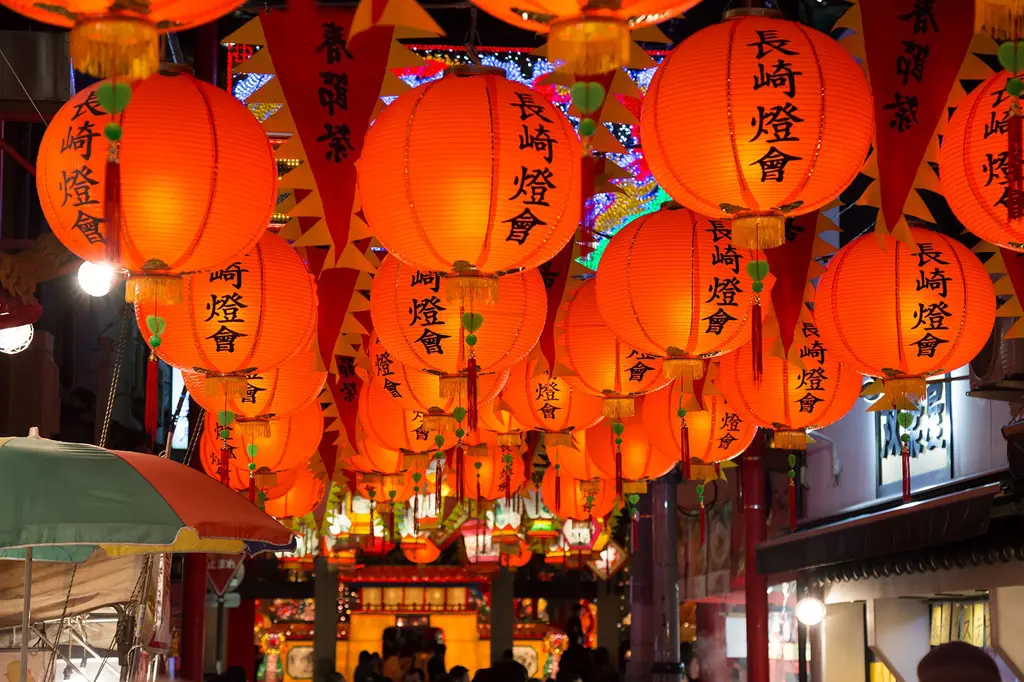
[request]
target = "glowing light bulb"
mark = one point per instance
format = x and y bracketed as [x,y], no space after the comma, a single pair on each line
[810,610]
[16,339]
[95,278]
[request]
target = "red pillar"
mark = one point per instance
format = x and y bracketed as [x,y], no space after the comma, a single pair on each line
[193,617]
[241,621]
[755,513]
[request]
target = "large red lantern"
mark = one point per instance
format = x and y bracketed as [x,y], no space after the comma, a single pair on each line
[570,498]
[777,118]
[551,405]
[163,208]
[572,459]
[394,427]
[492,471]
[600,363]
[500,195]
[634,459]
[940,309]
[306,493]
[672,284]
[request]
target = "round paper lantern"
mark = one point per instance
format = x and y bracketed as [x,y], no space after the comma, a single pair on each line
[420,391]
[306,493]
[790,399]
[502,423]
[975,165]
[471,175]
[572,459]
[420,329]
[635,459]
[600,363]
[420,550]
[384,488]
[904,312]
[382,460]
[788,105]
[272,484]
[248,317]
[715,432]
[172,210]
[277,392]
[116,39]
[570,498]
[289,443]
[551,405]
[518,557]
[672,284]
[394,427]
[492,471]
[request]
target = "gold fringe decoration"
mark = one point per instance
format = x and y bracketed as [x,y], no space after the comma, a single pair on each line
[115,47]
[452,385]
[759,230]
[1000,19]
[254,428]
[160,289]
[513,439]
[472,290]
[554,439]
[789,440]
[591,45]
[617,407]
[438,421]
[682,368]
[265,478]
[904,390]
[227,385]
[634,487]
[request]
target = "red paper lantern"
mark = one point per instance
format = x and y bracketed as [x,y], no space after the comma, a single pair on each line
[549,404]
[306,493]
[570,498]
[420,550]
[572,459]
[635,459]
[394,427]
[492,471]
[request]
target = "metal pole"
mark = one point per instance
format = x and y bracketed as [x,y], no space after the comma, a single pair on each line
[26,610]
[665,583]
[755,515]
[220,634]
[641,598]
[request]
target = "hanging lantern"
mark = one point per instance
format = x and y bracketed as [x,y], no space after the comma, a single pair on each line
[395,428]
[153,202]
[305,495]
[632,459]
[940,314]
[492,471]
[549,404]
[999,19]
[790,399]
[273,484]
[587,38]
[499,195]
[384,488]
[420,391]
[380,459]
[714,431]
[118,39]
[600,363]
[572,459]
[420,550]
[503,425]
[672,284]
[576,499]
[790,107]
[272,393]
[980,163]
[287,444]
[250,316]
[518,557]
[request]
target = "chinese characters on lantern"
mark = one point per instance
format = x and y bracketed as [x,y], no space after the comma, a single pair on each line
[731,425]
[812,377]
[227,307]
[348,389]
[930,328]
[424,311]
[777,120]
[80,188]
[333,93]
[549,393]
[536,179]
[911,63]
[252,390]
[636,371]
[997,167]
[725,264]
[382,367]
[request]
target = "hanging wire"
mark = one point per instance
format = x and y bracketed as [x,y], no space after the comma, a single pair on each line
[24,89]
[193,438]
[115,373]
[473,36]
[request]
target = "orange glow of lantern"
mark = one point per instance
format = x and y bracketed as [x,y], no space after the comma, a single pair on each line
[940,313]
[635,459]
[788,105]
[157,210]
[306,493]
[478,203]
[572,459]
[549,404]
[571,498]
[392,426]
[492,471]
[420,550]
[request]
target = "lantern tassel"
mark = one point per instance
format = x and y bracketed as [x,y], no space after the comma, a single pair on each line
[792,505]
[1015,149]
[251,429]
[590,45]
[472,409]
[789,440]
[1000,19]
[756,342]
[617,407]
[416,512]
[252,488]
[618,471]
[152,407]
[558,490]
[112,204]
[759,231]
[225,470]
[460,472]
[438,479]
[153,289]
[703,524]
[472,290]
[115,46]
[557,439]
[684,448]
[905,456]
[677,367]
[229,386]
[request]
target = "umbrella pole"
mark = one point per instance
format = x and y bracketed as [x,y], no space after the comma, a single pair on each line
[25,616]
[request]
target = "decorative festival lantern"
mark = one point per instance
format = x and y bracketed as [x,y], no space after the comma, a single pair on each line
[516,555]
[941,310]
[672,284]
[272,484]
[384,491]
[249,316]
[306,493]
[140,185]
[572,459]
[500,194]
[421,391]
[588,39]
[713,431]
[980,168]
[287,444]
[117,39]
[549,404]
[492,471]
[623,452]
[571,498]
[508,430]
[420,550]
[600,363]
[394,427]
[380,459]
[790,107]
[272,393]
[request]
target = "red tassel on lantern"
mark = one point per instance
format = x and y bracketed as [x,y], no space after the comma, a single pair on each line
[438,480]
[558,490]
[684,448]
[460,472]
[905,456]
[225,457]
[416,512]
[252,488]
[112,204]
[152,407]
[1015,148]
[618,471]
[472,412]
[792,505]
[755,339]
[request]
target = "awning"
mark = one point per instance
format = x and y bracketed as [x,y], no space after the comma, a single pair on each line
[907,528]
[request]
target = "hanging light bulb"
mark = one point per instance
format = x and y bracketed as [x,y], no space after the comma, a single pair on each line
[16,339]
[810,610]
[95,278]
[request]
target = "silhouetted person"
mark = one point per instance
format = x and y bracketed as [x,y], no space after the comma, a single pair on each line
[604,671]
[957,662]
[510,671]
[459,674]
[435,666]
[363,668]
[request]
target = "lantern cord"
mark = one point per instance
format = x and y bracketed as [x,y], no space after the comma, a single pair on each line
[473,37]
[684,448]
[115,374]
[472,412]
[905,456]
[618,470]
[28,95]
[558,489]
[792,497]
[152,405]
[756,340]
[460,472]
